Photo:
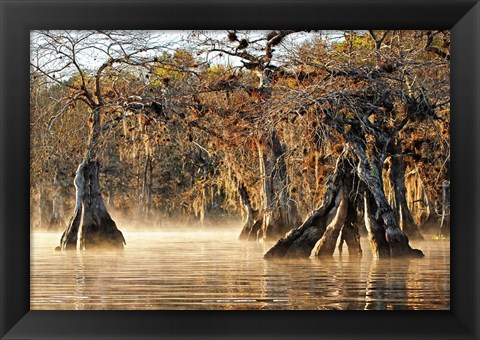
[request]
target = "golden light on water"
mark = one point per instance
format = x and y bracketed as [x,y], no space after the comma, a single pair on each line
[213,270]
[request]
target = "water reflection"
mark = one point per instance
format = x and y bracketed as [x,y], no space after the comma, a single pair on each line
[80,282]
[212,270]
[387,285]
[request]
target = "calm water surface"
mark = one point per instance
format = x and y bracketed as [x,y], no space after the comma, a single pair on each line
[213,270]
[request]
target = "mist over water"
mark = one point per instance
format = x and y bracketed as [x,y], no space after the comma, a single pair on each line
[210,269]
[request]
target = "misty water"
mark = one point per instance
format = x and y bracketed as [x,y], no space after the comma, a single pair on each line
[211,269]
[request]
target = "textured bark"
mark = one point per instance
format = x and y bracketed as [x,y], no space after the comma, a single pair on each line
[397,179]
[350,232]
[375,228]
[326,245]
[91,224]
[370,173]
[299,242]
[360,224]
[97,229]
[397,240]
[70,235]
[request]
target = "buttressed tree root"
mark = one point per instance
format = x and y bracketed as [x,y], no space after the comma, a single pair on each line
[325,223]
[91,223]
[319,233]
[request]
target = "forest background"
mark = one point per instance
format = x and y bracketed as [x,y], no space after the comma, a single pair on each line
[337,133]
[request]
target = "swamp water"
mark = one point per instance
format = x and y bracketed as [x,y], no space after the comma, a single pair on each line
[211,269]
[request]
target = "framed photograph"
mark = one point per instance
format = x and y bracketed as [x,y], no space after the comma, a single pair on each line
[232,169]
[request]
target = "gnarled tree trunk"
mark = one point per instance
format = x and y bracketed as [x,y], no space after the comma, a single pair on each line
[326,245]
[299,242]
[280,212]
[91,225]
[370,172]
[397,179]
[351,232]
[375,228]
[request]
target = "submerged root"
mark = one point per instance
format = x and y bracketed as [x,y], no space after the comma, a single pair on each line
[399,246]
[326,245]
[386,241]
[350,232]
[299,242]
[376,231]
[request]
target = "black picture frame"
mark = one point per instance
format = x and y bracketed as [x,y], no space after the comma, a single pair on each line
[18,17]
